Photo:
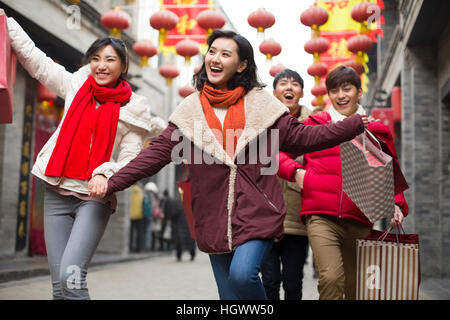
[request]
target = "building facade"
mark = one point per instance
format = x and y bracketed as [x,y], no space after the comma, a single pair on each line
[64,30]
[413,58]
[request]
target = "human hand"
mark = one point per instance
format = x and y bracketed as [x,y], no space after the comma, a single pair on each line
[372,119]
[97,186]
[299,176]
[397,218]
[365,121]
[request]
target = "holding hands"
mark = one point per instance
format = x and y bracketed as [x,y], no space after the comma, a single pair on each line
[98,185]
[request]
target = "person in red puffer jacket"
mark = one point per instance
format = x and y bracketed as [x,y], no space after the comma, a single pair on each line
[332,220]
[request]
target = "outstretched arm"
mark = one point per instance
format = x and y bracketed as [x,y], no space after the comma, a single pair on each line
[147,163]
[51,74]
[297,138]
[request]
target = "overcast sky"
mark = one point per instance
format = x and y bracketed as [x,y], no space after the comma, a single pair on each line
[287,30]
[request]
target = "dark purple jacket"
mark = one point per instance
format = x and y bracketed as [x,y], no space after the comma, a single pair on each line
[233,199]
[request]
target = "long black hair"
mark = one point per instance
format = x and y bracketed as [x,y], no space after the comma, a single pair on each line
[247,78]
[118,45]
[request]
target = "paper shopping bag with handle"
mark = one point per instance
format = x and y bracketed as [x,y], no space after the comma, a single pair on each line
[367,177]
[388,266]
[184,188]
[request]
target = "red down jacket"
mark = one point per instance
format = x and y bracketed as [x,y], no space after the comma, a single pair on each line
[322,185]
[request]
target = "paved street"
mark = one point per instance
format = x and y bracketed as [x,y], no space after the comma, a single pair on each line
[158,278]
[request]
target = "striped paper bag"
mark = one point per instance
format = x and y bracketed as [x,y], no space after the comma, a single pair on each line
[368,177]
[388,267]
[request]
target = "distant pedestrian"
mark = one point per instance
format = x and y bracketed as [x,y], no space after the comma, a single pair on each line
[237,202]
[333,221]
[137,225]
[181,235]
[102,117]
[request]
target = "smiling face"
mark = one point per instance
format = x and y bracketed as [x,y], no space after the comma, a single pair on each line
[222,62]
[345,98]
[289,92]
[106,66]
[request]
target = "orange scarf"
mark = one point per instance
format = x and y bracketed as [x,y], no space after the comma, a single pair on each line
[234,121]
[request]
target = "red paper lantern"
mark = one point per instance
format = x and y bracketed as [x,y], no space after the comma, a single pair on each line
[261,20]
[362,11]
[270,48]
[169,71]
[358,67]
[163,21]
[314,17]
[210,20]
[317,45]
[115,20]
[360,43]
[186,91]
[187,48]
[318,69]
[319,90]
[145,49]
[275,69]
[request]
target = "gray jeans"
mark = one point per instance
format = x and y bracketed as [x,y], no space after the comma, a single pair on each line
[73,229]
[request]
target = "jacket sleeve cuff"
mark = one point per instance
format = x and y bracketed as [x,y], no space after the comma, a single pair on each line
[287,166]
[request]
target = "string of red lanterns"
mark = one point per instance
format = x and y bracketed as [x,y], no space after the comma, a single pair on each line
[314,17]
[361,44]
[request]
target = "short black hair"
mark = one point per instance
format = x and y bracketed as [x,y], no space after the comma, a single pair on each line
[342,75]
[288,74]
[247,78]
[118,45]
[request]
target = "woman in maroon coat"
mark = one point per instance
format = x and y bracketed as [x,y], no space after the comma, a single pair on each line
[237,200]
[333,221]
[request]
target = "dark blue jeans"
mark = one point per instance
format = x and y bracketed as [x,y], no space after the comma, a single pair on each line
[291,252]
[237,273]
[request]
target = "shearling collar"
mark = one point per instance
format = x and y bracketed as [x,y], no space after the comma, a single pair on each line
[261,111]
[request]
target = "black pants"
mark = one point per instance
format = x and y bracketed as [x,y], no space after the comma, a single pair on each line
[291,251]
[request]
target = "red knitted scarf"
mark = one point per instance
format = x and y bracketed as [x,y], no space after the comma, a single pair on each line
[87,135]
[234,121]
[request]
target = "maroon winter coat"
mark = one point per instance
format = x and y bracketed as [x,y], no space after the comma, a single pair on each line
[232,201]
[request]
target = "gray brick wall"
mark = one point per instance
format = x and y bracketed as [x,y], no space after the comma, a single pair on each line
[11,147]
[421,153]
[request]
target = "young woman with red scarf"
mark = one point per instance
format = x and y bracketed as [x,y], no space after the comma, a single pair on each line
[102,117]
[237,201]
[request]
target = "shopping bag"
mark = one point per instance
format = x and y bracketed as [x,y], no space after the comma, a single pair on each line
[368,177]
[388,266]
[184,188]
[7,72]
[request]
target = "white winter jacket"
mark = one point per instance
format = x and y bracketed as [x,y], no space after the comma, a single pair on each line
[135,123]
